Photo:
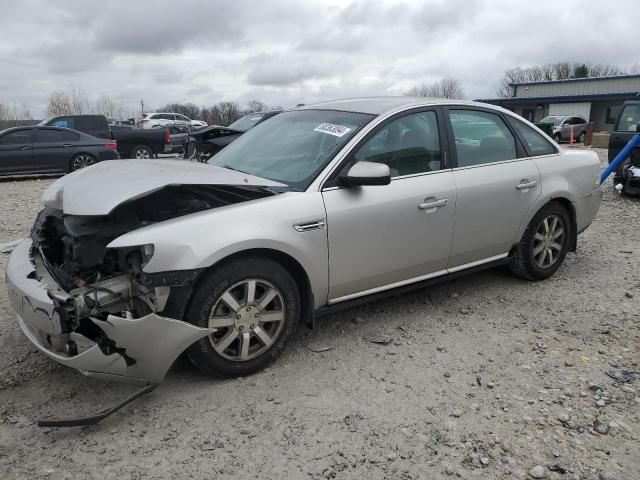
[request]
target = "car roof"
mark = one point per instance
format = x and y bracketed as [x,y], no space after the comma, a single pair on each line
[380,105]
[44,127]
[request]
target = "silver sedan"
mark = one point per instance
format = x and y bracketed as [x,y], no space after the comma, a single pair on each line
[133,262]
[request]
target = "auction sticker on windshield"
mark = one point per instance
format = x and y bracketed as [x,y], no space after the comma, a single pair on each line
[332,129]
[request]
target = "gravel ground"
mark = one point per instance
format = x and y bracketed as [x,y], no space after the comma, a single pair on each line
[484,377]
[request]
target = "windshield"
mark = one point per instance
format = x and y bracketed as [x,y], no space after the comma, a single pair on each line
[292,147]
[555,119]
[247,122]
[629,118]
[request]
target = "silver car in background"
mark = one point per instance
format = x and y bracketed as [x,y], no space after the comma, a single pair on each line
[316,209]
[563,124]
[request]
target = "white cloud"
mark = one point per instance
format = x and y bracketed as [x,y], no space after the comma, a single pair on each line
[285,52]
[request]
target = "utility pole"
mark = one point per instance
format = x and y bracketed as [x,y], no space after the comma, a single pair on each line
[142,108]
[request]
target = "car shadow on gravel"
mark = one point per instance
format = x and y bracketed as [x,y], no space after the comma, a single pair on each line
[40,176]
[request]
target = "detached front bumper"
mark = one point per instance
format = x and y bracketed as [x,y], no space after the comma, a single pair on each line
[141,349]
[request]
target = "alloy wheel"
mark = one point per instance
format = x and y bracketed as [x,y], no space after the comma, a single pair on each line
[548,241]
[247,319]
[142,153]
[81,161]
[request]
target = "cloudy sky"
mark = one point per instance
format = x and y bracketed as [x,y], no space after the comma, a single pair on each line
[286,52]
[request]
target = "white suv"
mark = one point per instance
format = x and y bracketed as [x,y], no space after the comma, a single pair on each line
[153,120]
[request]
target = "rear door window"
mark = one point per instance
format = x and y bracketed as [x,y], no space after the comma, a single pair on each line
[481,137]
[47,135]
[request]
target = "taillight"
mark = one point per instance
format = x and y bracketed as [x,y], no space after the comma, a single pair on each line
[166,136]
[111,145]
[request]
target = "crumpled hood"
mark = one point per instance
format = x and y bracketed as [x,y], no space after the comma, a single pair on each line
[98,189]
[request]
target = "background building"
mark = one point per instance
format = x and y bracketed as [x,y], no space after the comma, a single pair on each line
[596,99]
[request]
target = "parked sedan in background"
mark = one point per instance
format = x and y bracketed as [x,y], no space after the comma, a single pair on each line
[562,125]
[315,210]
[27,150]
[154,120]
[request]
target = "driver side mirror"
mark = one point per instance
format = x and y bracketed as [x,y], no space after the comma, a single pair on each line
[366,173]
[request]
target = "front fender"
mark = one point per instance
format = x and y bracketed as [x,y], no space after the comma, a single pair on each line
[202,239]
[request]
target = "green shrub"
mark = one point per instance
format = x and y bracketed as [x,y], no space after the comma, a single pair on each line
[545,127]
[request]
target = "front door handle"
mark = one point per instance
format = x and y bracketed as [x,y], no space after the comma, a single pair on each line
[68,145]
[525,185]
[26,147]
[433,204]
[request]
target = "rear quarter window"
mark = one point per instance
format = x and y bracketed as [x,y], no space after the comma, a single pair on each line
[66,122]
[92,124]
[535,143]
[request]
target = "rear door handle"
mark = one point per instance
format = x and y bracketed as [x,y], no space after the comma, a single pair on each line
[433,204]
[26,147]
[525,185]
[67,145]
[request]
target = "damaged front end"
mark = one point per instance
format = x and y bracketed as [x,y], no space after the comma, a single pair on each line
[93,308]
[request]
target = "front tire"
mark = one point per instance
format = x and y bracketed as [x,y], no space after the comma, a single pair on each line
[253,305]
[544,244]
[582,137]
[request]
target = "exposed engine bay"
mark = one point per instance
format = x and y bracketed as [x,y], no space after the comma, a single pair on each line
[98,281]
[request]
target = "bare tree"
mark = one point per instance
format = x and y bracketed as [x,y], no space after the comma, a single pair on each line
[563,70]
[229,112]
[604,70]
[59,103]
[553,71]
[111,107]
[211,115]
[187,109]
[445,88]
[80,104]
[74,102]
[25,111]
[4,112]
[256,106]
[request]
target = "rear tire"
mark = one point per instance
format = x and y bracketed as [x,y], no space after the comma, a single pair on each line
[141,152]
[254,306]
[81,160]
[544,244]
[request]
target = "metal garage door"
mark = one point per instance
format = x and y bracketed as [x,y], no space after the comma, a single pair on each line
[578,109]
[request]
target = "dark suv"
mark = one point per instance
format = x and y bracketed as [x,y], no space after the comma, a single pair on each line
[625,128]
